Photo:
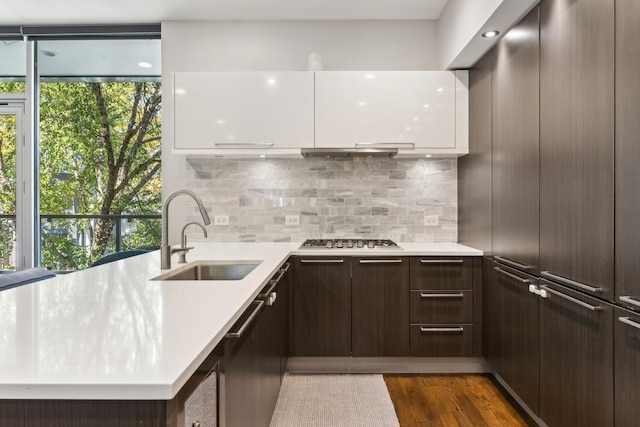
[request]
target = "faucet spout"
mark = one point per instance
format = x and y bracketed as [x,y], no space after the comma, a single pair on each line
[165,249]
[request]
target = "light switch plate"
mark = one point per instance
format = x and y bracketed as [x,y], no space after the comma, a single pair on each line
[221,220]
[292,220]
[431,220]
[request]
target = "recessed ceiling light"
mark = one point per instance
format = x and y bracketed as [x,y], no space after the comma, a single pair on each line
[362,104]
[144,65]
[369,76]
[489,34]
[428,156]
[440,89]
[263,156]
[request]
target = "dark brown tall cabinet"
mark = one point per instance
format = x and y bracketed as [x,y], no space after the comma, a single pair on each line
[627,367]
[577,143]
[515,183]
[627,323]
[627,153]
[576,358]
[512,314]
[380,306]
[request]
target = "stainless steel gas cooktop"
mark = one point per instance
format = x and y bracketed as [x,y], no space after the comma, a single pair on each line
[349,244]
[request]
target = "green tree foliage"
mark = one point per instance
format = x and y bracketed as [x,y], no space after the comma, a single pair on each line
[99,154]
[7,188]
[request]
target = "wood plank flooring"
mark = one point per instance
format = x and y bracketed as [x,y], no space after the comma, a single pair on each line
[450,401]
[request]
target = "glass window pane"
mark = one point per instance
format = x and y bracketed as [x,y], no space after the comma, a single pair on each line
[8,134]
[13,66]
[99,149]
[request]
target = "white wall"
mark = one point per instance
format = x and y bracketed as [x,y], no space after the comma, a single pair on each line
[281,46]
[463,21]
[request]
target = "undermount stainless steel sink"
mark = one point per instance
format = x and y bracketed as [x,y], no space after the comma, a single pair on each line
[211,270]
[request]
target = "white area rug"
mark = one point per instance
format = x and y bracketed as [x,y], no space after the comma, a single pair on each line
[334,401]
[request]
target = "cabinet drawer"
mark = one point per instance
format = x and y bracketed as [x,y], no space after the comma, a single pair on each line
[442,340]
[435,273]
[441,306]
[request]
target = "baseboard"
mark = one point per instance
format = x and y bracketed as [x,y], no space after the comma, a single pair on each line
[388,365]
[530,417]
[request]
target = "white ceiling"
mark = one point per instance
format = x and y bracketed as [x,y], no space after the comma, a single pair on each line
[68,12]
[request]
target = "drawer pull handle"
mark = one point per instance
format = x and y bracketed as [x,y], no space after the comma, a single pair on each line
[427,295]
[544,294]
[454,329]
[380,261]
[629,322]
[629,300]
[247,322]
[513,276]
[322,261]
[441,261]
[569,282]
[286,266]
[513,263]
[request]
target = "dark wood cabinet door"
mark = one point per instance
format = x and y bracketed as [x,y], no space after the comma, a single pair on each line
[242,373]
[577,141]
[627,367]
[515,124]
[322,306]
[474,169]
[627,152]
[576,359]
[380,308]
[514,332]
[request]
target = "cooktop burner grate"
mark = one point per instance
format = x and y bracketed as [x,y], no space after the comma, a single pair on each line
[349,244]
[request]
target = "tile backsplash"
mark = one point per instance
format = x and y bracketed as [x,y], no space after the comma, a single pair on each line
[331,197]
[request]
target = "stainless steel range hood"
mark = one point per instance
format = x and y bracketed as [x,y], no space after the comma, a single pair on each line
[349,152]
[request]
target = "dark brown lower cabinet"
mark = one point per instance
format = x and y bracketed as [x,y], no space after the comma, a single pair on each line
[253,358]
[514,331]
[627,367]
[380,306]
[322,306]
[82,413]
[576,358]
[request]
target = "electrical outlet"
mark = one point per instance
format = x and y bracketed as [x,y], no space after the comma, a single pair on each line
[431,220]
[221,220]
[292,220]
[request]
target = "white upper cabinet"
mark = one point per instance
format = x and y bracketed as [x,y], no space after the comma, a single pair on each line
[414,111]
[237,111]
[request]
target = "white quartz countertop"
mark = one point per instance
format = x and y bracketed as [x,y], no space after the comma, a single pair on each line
[109,332]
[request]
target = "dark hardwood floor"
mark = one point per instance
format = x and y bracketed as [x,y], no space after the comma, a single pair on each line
[450,401]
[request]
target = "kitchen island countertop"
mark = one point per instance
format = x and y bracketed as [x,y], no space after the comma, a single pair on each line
[109,332]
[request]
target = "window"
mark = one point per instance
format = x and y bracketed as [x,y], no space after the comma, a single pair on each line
[97,185]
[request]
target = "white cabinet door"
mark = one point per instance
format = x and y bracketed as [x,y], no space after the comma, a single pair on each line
[404,109]
[243,110]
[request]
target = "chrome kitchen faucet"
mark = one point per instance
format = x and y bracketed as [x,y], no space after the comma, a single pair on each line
[165,249]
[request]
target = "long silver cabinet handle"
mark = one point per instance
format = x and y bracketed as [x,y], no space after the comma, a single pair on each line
[247,322]
[322,261]
[569,282]
[456,329]
[628,299]
[243,144]
[456,295]
[545,289]
[441,261]
[629,322]
[380,261]
[286,266]
[513,276]
[513,263]
[273,284]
